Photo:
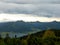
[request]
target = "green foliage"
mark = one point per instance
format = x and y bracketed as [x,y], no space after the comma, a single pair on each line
[24,42]
[57,43]
[2,42]
[48,38]
[49,34]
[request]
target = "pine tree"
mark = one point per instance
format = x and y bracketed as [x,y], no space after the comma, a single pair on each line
[7,39]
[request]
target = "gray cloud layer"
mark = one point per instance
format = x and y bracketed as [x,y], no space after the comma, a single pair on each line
[31,7]
[31,1]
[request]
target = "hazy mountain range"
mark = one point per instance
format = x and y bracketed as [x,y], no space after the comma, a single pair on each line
[21,26]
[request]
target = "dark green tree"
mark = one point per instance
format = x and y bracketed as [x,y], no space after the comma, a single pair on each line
[7,39]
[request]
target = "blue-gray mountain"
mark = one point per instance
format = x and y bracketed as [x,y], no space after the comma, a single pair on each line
[21,26]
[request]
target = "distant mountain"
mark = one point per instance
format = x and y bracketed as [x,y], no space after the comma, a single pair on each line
[21,26]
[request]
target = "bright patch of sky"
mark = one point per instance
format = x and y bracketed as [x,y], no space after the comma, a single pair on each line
[24,17]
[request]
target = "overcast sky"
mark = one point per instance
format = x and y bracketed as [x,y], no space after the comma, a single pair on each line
[39,8]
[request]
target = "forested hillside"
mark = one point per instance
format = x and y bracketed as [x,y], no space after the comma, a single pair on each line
[46,37]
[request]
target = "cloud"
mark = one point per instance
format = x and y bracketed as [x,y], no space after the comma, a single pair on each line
[30,1]
[32,7]
[46,10]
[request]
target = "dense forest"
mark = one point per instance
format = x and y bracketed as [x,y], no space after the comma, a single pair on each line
[46,37]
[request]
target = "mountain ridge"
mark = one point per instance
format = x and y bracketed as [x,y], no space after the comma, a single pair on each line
[21,26]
